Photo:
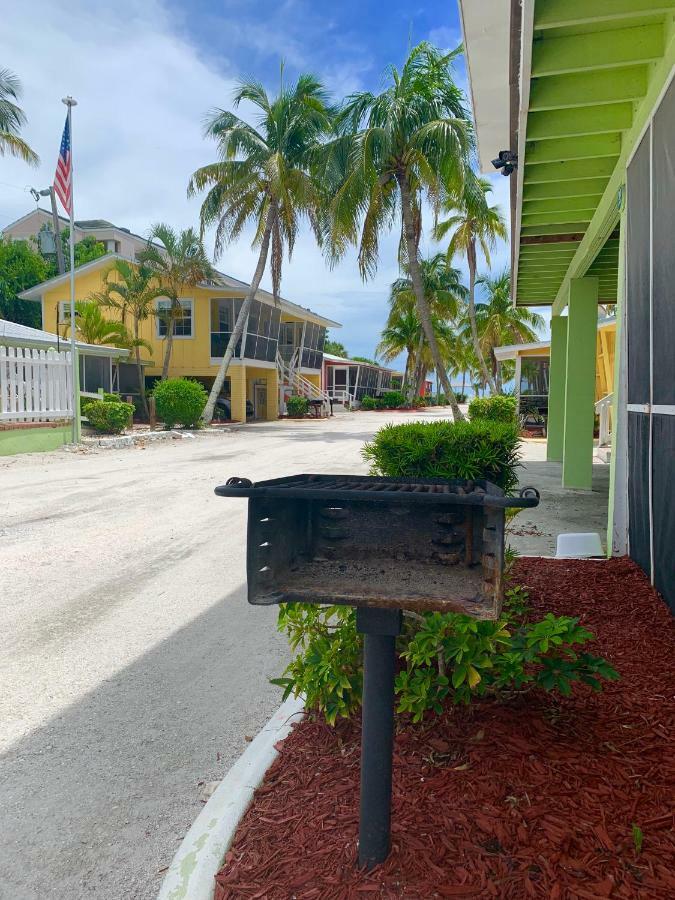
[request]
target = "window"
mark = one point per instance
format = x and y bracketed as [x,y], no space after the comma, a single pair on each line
[64,312]
[312,354]
[182,318]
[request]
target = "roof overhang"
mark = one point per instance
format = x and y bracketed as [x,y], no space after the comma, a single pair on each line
[510,351]
[486,33]
[572,98]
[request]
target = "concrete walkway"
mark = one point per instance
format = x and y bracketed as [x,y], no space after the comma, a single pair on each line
[132,668]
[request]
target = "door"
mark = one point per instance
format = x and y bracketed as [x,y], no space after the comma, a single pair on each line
[260,401]
[340,380]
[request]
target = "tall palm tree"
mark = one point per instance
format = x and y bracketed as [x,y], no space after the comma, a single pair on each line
[12,119]
[395,150]
[445,295]
[93,327]
[474,223]
[462,359]
[500,322]
[178,265]
[263,175]
[131,290]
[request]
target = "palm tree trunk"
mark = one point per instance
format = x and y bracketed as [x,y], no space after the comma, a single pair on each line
[463,382]
[139,369]
[207,415]
[414,386]
[171,318]
[423,310]
[471,259]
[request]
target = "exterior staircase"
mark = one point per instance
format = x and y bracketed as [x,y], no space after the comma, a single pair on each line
[291,377]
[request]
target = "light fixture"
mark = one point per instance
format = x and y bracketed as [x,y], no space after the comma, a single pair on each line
[506,162]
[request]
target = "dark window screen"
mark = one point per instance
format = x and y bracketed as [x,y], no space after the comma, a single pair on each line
[638,488]
[663,450]
[637,284]
[663,296]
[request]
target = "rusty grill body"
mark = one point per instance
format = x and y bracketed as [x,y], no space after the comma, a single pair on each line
[415,544]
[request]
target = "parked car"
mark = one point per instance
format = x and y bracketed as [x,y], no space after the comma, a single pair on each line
[224,408]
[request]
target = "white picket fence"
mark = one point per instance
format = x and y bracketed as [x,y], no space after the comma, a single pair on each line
[35,385]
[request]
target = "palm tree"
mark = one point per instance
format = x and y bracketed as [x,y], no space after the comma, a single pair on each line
[462,359]
[179,264]
[401,335]
[500,322]
[445,295]
[94,328]
[263,175]
[474,223]
[394,150]
[12,119]
[131,289]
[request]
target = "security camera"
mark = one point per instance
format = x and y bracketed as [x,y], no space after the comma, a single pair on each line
[506,162]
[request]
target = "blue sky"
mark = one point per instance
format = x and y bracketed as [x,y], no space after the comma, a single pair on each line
[145,75]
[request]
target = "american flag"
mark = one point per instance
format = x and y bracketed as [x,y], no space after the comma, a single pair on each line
[63,179]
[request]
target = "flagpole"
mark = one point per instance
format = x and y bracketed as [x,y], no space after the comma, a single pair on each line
[75,378]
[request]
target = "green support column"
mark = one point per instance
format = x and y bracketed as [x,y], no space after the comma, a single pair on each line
[555,426]
[582,323]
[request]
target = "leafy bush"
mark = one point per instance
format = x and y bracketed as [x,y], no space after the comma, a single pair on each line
[179,401]
[393,399]
[446,657]
[446,450]
[495,409]
[105,397]
[109,417]
[461,398]
[297,407]
[368,402]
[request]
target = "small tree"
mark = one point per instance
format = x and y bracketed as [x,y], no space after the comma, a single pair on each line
[179,264]
[93,327]
[21,267]
[131,289]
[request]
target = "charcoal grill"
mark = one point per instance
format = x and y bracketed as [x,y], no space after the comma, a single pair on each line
[381,545]
[417,544]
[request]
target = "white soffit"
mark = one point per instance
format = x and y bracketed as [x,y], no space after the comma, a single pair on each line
[486,31]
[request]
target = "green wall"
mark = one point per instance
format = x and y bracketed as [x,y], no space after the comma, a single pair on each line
[34,440]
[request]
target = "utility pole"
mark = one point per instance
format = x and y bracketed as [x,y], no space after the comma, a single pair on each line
[49,192]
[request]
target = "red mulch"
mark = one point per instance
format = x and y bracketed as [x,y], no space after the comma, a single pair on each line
[528,798]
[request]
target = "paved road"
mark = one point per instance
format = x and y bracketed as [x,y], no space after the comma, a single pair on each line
[131,667]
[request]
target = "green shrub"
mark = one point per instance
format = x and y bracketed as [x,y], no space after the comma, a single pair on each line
[446,450]
[393,399]
[368,402]
[105,397]
[179,401]
[109,417]
[461,398]
[297,407]
[446,657]
[494,409]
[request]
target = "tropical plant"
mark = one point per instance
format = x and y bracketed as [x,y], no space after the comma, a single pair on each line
[131,289]
[21,267]
[297,407]
[263,175]
[394,150]
[499,322]
[474,224]
[109,417]
[445,295]
[93,327]
[12,120]
[335,347]
[179,264]
[179,401]
[493,409]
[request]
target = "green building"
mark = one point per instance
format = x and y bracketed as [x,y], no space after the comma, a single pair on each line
[579,95]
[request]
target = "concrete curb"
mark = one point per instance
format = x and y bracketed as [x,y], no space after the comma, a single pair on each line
[191,873]
[114,442]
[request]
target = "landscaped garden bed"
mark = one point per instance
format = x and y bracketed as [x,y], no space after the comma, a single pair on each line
[528,795]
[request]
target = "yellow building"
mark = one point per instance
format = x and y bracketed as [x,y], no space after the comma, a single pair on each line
[531,379]
[281,350]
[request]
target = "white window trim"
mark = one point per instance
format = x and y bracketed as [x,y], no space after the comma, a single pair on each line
[176,337]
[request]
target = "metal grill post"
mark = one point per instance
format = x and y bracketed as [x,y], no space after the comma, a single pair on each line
[380,628]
